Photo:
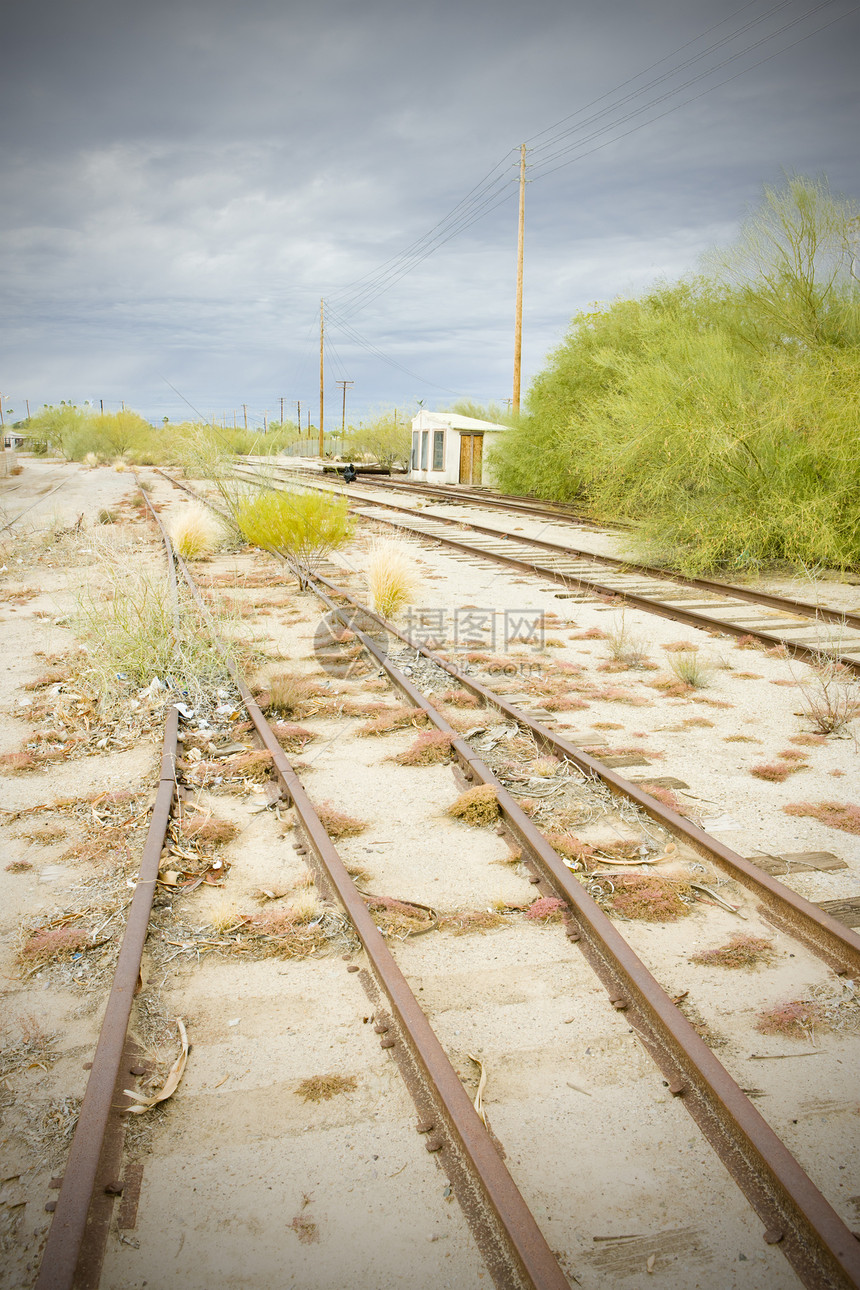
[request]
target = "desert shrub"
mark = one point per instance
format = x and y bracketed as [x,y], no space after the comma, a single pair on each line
[430,748]
[690,668]
[338,824]
[391,577]
[720,413]
[195,531]
[649,897]
[774,771]
[477,806]
[301,527]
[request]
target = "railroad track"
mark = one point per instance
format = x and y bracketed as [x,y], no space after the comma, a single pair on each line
[491,500]
[808,631]
[797,1221]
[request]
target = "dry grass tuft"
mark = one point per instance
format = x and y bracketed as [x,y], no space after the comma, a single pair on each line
[391,577]
[680,647]
[17,762]
[775,771]
[793,754]
[288,695]
[430,749]
[18,866]
[741,951]
[459,698]
[546,909]
[808,741]
[320,1088]
[394,719]
[195,531]
[836,815]
[797,1019]
[46,944]
[292,738]
[690,668]
[649,897]
[462,922]
[213,830]
[477,806]
[569,847]
[666,797]
[592,634]
[337,824]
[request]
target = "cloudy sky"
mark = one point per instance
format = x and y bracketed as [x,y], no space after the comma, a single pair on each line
[182,182]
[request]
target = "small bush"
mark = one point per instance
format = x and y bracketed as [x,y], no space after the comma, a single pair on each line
[194,531]
[649,897]
[292,738]
[741,951]
[831,697]
[591,634]
[477,806]
[391,577]
[690,669]
[337,824]
[213,830]
[49,943]
[680,647]
[301,527]
[570,848]
[836,815]
[459,698]
[288,694]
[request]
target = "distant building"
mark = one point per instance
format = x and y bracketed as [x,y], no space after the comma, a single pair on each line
[449,449]
[13,439]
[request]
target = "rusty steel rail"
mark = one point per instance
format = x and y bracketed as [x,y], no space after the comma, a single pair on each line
[824,935]
[689,617]
[69,1226]
[517,1254]
[820,1248]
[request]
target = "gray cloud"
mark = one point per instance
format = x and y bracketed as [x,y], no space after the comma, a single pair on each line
[181,183]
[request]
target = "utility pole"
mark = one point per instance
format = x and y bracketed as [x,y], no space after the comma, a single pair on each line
[27,401]
[322,379]
[2,418]
[265,423]
[299,421]
[282,409]
[343,419]
[518,330]
[102,406]
[245,412]
[234,418]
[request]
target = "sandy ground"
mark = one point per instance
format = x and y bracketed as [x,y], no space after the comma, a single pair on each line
[243,1180]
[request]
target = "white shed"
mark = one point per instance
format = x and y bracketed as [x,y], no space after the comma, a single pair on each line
[449,449]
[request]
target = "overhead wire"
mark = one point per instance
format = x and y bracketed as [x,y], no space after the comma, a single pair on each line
[356,336]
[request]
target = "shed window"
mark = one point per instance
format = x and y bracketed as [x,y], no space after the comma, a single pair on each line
[438,449]
[416,438]
[425,437]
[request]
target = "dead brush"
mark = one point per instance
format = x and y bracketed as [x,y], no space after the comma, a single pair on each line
[666,797]
[836,815]
[338,824]
[278,932]
[16,763]
[742,951]
[797,1019]
[546,909]
[431,748]
[52,677]
[394,719]
[776,772]
[626,650]
[459,698]
[477,806]
[211,830]
[831,697]
[399,918]
[289,695]
[465,921]
[650,897]
[591,634]
[292,738]
[48,944]
[572,850]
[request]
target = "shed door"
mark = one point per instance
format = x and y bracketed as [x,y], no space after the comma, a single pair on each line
[465,459]
[471,454]
[477,457]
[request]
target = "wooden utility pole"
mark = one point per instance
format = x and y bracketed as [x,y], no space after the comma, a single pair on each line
[282,409]
[343,418]
[102,406]
[322,379]
[27,401]
[245,413]
[2,418]
[518,331]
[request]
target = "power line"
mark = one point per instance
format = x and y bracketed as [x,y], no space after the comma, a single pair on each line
[356,336]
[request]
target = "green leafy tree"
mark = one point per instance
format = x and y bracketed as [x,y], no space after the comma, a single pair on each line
[387,438]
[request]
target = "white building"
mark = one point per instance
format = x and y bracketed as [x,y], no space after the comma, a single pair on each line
[449,449]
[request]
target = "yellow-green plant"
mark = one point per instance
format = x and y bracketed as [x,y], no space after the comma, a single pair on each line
[300,527]
[391,577]
[194,531]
